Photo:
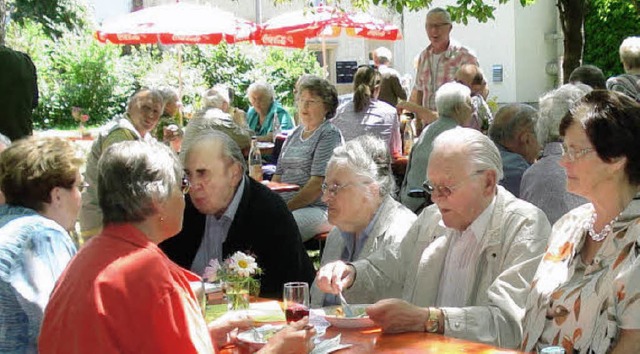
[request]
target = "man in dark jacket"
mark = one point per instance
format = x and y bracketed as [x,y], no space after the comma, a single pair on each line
[18,93]
[227,212]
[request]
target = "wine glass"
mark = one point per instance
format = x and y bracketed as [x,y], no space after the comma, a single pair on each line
[296,301]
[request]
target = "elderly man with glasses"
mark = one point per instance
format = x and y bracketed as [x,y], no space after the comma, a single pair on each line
[465,266]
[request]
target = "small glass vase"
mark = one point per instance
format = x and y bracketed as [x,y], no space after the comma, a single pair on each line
[237,293]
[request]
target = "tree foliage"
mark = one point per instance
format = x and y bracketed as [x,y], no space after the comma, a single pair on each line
[621,19]
[53,15]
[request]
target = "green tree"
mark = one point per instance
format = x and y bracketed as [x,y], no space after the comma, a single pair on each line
[621,19]
[52,15]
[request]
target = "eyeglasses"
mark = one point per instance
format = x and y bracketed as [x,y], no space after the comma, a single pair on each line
[437,25]
[446,191]
[573,155]
[333,189]
[82,186]
[307,103]
[186,185]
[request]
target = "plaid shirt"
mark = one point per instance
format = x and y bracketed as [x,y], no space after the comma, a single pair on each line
[450,60]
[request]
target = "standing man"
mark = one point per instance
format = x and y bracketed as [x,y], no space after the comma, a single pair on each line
[227,211]
[390,88]
[437,65]
[18,93]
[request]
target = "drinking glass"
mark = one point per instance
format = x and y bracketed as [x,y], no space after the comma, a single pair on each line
[296,301]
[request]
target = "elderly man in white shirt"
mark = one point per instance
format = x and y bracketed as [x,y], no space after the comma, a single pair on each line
[465,266]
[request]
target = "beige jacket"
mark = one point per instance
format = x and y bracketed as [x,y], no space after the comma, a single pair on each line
[515,238]
[394,220]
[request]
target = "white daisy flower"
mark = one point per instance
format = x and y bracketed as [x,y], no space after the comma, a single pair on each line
[243,264]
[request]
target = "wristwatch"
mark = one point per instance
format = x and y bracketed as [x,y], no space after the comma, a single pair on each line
[432,325]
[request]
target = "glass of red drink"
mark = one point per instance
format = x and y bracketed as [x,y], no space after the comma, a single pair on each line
[296,301]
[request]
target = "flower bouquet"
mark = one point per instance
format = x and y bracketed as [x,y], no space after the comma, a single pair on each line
[236,273]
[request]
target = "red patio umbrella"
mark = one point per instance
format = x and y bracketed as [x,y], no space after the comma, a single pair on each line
[174,24]
[293,28]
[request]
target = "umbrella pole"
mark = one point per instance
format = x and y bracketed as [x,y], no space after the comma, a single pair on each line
[325,67]
[180,80]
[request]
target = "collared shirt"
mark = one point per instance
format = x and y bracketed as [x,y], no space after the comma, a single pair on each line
[428,80]
[353,244]
[462,258]
[215,233]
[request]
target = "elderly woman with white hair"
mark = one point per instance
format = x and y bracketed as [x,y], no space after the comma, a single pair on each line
[121,293]
[221,97]
[359,189]
[453,101]
[544,184]
[263,108]
[629,82]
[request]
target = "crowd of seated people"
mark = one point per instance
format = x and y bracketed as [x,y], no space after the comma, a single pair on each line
[531,240]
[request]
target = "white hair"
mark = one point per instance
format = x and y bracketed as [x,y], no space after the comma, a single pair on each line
[553,106]
[216,97]
[481,151]
[630,52]
[383,54]
[449,96]
[264,88]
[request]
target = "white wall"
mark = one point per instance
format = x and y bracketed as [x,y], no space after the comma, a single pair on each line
[104,9]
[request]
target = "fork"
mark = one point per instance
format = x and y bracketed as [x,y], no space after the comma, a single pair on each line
[345,306]
[257,335]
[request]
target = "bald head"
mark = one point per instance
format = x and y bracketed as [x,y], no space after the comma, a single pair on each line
[471,76]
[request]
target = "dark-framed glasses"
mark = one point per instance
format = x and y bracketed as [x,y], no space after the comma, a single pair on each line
[333,189]
[446,191]
[185,185]
[572,154]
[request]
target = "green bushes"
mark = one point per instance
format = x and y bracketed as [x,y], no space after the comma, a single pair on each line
[607,24]
[78,71]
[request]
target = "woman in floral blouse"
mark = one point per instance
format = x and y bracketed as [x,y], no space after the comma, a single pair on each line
[585,292]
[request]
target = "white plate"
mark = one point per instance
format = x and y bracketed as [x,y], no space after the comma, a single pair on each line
[267,331]
[348,322]
[265,145]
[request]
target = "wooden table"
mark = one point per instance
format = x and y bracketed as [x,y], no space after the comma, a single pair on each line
[372,340]
[281,187]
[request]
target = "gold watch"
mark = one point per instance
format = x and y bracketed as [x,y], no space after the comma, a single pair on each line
[433,323]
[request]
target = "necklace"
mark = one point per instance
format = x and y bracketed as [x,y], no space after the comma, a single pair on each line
[599,236]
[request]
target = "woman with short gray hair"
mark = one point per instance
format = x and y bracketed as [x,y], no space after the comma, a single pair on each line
[263,108]
[544,184]
[304,155]
[358,190]
[121,290]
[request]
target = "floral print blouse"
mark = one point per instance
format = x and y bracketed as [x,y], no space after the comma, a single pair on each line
[579,306]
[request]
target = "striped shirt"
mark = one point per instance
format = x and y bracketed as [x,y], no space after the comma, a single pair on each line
[302,158]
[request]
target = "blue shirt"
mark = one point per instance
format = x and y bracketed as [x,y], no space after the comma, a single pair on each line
[513,166]
[34,250]
[215,233]
[354,245]
[253,119]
